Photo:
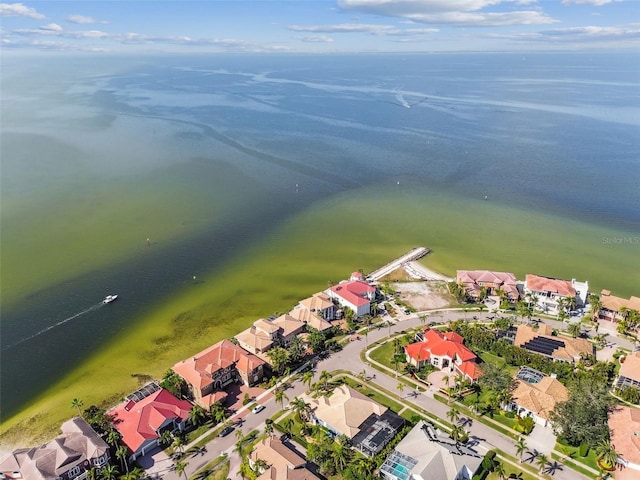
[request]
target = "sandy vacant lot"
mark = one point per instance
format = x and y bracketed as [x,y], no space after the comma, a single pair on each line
[424,295]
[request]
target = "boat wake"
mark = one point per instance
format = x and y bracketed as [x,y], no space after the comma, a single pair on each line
[51,327]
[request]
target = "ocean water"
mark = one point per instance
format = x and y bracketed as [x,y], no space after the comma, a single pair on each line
[214,156]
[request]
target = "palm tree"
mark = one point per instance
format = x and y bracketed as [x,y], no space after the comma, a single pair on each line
[121,454]
[165,438]
[136,474]
[307,378]
[180,466]
[77,403]
[575,329]
[301,407]
[521,447]
[178,442]
[217,412]
[341,455]
[400,387]
[542,461]
[287,425]
[280,396]
[325,376]
[196,415]
[607,453]
[109,472]
[453,415]
[498,468]
[457,433]
[113,437]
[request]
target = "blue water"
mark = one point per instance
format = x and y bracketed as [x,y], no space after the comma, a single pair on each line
[559,133]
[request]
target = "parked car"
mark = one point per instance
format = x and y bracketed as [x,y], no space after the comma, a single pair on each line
[226,431]
[258,408]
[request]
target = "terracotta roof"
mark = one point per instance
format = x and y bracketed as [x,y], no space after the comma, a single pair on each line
[473,280]
[310,318]
[630,368]
[615,304]
[138,422]
[317,302]
[540,398]
[536,283]
[199,369]
[624,432]
[77,443]
[470,369]
[354,291]
[345,410]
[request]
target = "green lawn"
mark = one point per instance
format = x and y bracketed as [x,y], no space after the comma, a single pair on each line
[570,451]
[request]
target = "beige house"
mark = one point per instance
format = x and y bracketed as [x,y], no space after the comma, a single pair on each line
[283,462]
[612,306]
[264,334]
[543,342]
[368,425]
[537,398]
[321,305]
[69,456]
[289,327]
[310,318]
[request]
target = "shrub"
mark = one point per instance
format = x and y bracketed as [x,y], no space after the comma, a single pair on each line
[488,461]
[510,415]
[584,450]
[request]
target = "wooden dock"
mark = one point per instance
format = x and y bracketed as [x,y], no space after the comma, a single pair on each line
[414,254]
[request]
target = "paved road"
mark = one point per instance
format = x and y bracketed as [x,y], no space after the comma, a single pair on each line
[349,359]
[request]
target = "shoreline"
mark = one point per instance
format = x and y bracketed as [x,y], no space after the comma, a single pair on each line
[170,329]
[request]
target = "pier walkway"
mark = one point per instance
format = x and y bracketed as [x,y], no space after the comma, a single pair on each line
[414,254]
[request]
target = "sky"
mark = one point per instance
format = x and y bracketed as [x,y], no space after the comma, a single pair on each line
[332,26]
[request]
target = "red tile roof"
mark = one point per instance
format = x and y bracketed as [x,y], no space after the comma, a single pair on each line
[354,291]
[537,283]
[138,422]
[199,369]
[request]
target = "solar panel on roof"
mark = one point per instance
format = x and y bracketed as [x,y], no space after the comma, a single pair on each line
[543,345]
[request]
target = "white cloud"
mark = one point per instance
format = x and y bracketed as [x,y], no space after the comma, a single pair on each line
[80,19]
[595,3]
[53,27]
[373,29]
[315,39]
[19,10]
[579,35]
[454,12]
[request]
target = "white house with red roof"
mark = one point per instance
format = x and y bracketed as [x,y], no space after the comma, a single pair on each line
[355,294]
[549,290]
[141,423]
[444,350]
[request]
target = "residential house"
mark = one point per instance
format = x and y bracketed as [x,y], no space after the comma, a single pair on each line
[141,420]
[209,371]
[310,318]
[258,338]
[429,454]
[289,327]
[543,342]
[283,463]
[368,425]
[444,350]
[69,456]
[354,294]
[320,304]
[474,281]
[613,307]
[629,374]
[624,434]
[549,290]
[536,395]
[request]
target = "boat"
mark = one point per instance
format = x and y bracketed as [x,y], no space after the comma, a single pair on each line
[109,299]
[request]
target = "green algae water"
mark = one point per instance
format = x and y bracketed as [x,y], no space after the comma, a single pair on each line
[260,189]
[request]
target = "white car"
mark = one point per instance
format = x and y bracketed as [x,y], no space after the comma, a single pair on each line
[258,408]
